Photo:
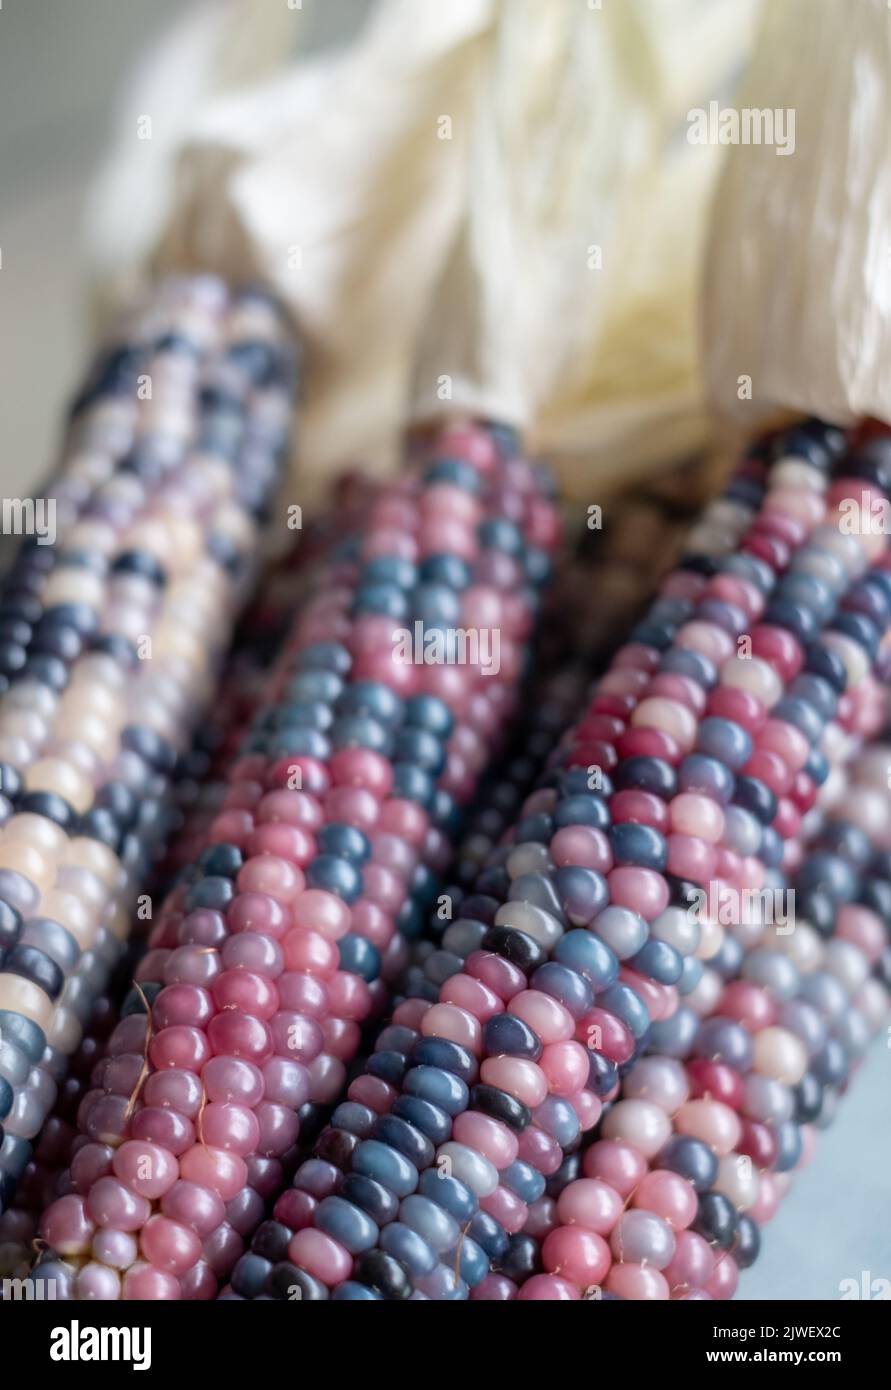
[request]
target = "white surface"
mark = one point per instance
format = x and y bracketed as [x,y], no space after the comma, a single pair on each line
[836,1222]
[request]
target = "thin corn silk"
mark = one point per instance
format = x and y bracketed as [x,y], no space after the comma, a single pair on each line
[798,292]
[486,206]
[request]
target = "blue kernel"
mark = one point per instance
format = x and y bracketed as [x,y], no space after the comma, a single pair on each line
[354,1118]
[725,740]
[700,773]
[388,599]
[621,1000]
[388,1066]
[436,604]
[582,893]
[588,809]
[501,534]
[325,656]
[315,685]
[413,783]
[344,840]
[527,1182]
[430,1119]
[346,1223]
[566,985]
[409,1248]
[371,698]
[658,961]
[451,1194]
[489,1234]
[454,471]
[431,713]
[390,569]
[385,1165]
[441,1088]
[446,569]
[335,875]
[407,1140]
[557,1118]
[361,731]
[351,1292]
[505,1035]
[638,844]
[440,1052]
[418,746]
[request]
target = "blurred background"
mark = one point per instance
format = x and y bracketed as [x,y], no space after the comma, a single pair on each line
[63,67]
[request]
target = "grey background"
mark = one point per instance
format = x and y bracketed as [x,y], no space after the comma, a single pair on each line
[61,62]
